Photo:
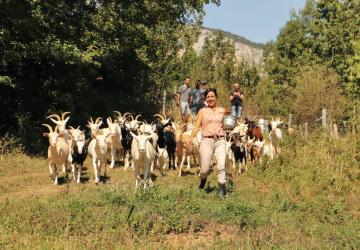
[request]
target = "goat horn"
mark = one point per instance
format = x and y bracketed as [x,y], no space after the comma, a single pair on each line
[71,127]
[110,119]
[54,115]
[48,126]
[118,113]
[126,114]
[132,118]
[91,119]
[97,119]
[64,114]
[136,118]
[160,116]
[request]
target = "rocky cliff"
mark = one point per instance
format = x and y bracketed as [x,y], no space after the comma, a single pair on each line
[244,49]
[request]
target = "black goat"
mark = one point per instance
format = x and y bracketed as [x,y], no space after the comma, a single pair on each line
[78,154]
[167,139]
[239,150]
[126,140]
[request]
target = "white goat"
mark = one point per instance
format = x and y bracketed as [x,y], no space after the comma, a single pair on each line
[94,126]
[58,152]
[275,136]
[143,153]
[230,158]
[162,159]
[63,132]
[97,150]
[114,140]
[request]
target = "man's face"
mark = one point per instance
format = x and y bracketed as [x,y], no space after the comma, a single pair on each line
[187,81]
[236,87]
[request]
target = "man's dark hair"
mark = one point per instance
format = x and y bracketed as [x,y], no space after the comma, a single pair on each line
[210,90]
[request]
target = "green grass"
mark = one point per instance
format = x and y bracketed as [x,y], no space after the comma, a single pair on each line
[308,197]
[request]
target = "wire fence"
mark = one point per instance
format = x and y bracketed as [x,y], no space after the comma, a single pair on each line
[336,127]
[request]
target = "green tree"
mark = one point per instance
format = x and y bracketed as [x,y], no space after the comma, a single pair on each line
[90,57]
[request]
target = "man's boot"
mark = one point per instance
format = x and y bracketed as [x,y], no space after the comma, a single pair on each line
[222,191]
[202,183]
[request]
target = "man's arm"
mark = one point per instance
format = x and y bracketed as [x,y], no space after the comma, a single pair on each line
[177,99]
[190,97]
[242,97]
[231,96]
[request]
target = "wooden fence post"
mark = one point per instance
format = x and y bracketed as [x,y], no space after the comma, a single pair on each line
[323,118]
[290,120]
[173,112]
[354,120]
[164,103]
[335,131]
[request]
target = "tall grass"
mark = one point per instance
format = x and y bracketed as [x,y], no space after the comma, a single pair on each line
[308,197]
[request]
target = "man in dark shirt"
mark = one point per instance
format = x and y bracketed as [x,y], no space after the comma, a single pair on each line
[196,98]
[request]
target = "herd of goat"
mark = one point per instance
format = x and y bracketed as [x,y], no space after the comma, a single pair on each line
[144,147]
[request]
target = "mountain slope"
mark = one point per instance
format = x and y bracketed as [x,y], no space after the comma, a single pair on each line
[244,49]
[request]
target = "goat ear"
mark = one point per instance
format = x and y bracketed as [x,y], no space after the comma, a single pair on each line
[133,135]
[66,120]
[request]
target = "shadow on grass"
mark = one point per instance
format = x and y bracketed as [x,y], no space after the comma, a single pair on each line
[104,179]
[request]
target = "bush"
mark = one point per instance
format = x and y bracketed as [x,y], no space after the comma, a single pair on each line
[9,144]
[316,87]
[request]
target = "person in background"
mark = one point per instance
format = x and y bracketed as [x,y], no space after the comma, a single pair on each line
[236,98]
[196,98]
[203,88]
[211,121]
[182,99]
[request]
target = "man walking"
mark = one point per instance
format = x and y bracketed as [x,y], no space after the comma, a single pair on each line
[196,98]
[183,99]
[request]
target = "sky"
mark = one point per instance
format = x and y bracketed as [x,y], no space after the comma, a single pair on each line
[257,20]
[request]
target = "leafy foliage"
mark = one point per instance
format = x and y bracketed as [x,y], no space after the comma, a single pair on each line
[324,32]
[89,57]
